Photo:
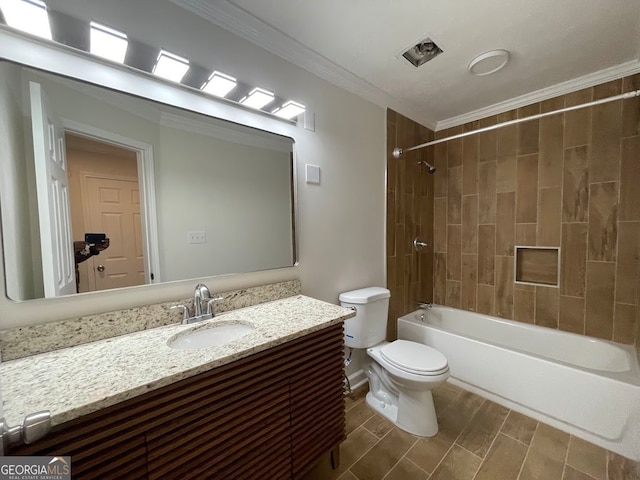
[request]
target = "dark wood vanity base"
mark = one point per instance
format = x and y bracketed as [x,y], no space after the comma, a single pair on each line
[270,416]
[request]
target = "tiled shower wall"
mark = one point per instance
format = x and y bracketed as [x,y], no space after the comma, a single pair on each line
[409,214]
[570,180]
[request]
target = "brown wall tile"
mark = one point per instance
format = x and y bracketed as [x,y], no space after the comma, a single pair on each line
[470,165]
[504,287]
[527,189]
[453,294]
[573,259]
[470,224]
[528,132]
[547,307]
[469,282]
[486,254]
[440,225]
[526,234]
[575,185]
[524,305]
[506,173]
[454,251]
[454,152]
[440,162]
[551,152]
[505,223]
[487,193]
[549,219]
[507,140]
[577,124]
[603,221]
[630,180]
[628,262]
[631,107]
[440,278]
[624,323]
[606,132]
[486,295]
[571,318]
[454,196]
[599,296]
[488,141]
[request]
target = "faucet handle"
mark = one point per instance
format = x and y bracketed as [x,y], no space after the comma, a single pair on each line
[217,298]
[424,305]
[185,312]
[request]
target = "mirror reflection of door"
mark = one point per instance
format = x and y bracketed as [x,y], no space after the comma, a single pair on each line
[105,198]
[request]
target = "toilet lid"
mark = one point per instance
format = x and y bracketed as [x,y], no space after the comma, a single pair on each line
[414,357]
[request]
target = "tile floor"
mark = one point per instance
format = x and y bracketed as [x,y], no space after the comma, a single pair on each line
[478,440]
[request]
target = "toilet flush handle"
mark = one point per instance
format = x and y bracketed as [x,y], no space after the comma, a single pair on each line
[353,308]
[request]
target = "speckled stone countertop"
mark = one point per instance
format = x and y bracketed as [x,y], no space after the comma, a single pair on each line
[79,380]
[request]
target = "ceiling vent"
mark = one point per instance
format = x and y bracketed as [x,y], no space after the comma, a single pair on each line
[422,52]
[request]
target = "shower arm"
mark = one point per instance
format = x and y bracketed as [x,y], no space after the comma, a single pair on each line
[398,152]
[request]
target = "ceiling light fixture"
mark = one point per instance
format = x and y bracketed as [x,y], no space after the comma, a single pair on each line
[488,62]
[171,66]
[108,43]
[27,15]
[219,84]
[258,98]
[289,110]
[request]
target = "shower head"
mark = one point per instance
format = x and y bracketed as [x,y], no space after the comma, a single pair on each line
[430,168]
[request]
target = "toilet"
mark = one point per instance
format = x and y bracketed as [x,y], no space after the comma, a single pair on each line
[402,373]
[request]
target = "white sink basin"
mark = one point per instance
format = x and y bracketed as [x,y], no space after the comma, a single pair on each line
[210,337]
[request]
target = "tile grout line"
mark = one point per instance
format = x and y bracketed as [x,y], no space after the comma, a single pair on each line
[524,460]
[492,443]
[367,451]
[566,456]
[400,459]
[513,438]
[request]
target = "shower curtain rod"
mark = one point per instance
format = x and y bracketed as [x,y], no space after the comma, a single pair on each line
[397,152]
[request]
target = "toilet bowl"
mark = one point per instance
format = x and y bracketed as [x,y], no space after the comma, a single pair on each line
[401,377]
[401,373]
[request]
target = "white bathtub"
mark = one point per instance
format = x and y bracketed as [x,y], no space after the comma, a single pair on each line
[584,386]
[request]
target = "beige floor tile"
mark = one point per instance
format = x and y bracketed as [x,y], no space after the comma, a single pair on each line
[458,464]
[378,425]
[520,427]
[444,395]
[355,397]
[587,458]
[357,415]
[348,476]
[384,455]
[572,474]
[428,452]
[483,428]
[620,468]
[354,447]
[503,461]
[406,470]
[548,450]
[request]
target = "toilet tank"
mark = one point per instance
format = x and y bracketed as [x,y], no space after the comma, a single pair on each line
[369,326]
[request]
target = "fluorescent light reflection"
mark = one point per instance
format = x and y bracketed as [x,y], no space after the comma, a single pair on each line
[170,66]
[219,84]
[108,43]
[27,15]
[258,98]
[289,110]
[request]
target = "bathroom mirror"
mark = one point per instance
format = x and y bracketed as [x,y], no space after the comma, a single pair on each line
[179,194]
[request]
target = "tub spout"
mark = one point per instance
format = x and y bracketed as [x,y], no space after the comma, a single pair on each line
[424,305]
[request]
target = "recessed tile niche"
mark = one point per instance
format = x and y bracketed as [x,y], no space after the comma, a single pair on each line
[537,265]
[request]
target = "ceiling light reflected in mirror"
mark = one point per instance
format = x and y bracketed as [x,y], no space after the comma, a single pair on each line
[29,16]
[108,43]
[219,84]
[171,66]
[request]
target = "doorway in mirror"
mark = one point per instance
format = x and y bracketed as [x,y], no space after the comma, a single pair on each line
[105,197]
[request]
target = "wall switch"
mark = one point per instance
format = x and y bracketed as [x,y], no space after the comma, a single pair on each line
[196,237]
[313,174]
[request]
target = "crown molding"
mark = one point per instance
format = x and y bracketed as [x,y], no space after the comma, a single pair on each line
[226,134]
[241,23]
[586,81]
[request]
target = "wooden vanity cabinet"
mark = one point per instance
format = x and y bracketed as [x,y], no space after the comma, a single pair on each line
[267,416]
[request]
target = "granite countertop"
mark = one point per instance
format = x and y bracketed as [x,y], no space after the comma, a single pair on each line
[80,380]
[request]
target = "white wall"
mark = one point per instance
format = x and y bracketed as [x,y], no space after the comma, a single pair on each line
[340,222]
[13,179]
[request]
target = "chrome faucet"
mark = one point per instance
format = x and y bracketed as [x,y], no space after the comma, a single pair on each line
[201,294]
[424,305]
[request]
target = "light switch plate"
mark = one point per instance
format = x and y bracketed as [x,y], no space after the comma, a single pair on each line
[196,237]
[312,174]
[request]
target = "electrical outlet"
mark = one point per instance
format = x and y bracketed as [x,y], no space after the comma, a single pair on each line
[196,237]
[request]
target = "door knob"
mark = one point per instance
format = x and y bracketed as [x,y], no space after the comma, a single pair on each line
[100,268]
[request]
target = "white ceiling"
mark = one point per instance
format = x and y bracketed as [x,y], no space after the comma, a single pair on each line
[556,47]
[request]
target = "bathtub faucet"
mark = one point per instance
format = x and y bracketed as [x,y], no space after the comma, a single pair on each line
[424,305]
